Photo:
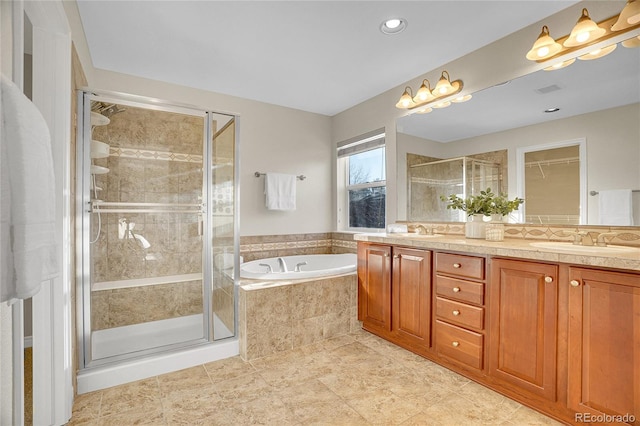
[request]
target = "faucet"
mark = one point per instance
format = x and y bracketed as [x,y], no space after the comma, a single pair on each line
[297,268]
[582,238]
[602,241]
[283,265]
[423,230]
[269,268]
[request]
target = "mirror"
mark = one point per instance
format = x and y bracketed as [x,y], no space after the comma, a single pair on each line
[598,103]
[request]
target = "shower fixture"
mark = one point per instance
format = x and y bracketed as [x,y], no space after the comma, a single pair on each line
[125,232]
[106,109]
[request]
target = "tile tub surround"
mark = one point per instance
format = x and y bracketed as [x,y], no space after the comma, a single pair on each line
[279,316]
[355,379]
[266,246]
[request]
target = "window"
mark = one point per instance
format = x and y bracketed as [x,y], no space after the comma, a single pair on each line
[362,183]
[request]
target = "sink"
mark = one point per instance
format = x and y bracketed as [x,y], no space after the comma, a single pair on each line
[560,246]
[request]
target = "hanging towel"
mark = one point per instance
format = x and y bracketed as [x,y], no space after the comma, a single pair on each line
[616,207]
[27,197]
[280,191]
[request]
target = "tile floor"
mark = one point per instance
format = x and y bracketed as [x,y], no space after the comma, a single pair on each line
[356,379]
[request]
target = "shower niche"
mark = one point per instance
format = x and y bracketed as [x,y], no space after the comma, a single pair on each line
[463,176]
[157,184]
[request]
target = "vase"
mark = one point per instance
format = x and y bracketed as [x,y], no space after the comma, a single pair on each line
[495,228]
[475,227]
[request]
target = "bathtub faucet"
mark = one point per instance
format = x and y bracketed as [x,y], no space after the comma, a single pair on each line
[298,265]
[283,265]
[269,268]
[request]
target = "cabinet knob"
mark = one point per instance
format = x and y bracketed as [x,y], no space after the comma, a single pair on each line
[455,344]
[457,265]
[456,289]
[574,283]
[396,256]
[386,255]
[456,312]
[548,279]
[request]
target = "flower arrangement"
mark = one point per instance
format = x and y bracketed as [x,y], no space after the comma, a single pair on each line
[486,203]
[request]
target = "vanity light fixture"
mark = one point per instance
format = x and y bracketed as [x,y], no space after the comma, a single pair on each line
[544,47]
[598,53]
[560,65]
[425,96]
[629,16]
[406,100]
[585,33]
[393,26]
[632,42]
[461,99]
[424,93]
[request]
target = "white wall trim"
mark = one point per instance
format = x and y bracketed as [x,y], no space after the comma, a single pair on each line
[52,378]
[520,168]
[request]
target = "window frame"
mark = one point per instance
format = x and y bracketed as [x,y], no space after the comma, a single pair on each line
[344,187]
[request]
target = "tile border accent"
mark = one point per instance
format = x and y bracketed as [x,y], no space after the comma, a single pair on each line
[146,154]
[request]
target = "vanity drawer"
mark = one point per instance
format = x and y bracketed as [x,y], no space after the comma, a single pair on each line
[460,265]
[459,344]
[464,291]
[460,313]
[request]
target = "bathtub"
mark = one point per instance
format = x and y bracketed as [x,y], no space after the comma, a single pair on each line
[317,265]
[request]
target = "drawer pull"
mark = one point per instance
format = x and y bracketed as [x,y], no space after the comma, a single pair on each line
[548,279]
[574,283]
[456,312]
[455,344]
[456,289]
[457,265]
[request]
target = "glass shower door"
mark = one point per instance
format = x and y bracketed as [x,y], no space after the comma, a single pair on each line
[150,231]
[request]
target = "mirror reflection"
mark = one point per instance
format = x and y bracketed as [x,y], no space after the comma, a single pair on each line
[597,109]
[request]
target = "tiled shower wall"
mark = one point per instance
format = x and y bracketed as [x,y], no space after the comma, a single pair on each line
[155,157]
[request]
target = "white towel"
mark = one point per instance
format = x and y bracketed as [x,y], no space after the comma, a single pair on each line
[280,191]
[616,207]
[27,197]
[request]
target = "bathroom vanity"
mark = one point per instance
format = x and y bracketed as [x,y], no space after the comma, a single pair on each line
[556,327]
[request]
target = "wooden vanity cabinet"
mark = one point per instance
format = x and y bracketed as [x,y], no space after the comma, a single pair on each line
[604,343]
[374,287]
[459,309]
[394,294]
[523,318]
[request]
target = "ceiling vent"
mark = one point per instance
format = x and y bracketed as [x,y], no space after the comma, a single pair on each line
[548,89]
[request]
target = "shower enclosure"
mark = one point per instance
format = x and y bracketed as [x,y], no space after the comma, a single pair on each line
[463,176]
[158,240]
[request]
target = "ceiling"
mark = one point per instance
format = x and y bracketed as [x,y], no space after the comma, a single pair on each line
[317,56]
[583,87]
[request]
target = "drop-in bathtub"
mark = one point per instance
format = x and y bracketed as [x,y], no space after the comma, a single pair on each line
[299,267]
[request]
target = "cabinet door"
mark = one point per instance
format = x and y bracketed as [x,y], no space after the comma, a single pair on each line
[411,296]
[604,343]
[374,286]
[523,319]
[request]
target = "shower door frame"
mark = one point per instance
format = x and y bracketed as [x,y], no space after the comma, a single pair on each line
[83,225]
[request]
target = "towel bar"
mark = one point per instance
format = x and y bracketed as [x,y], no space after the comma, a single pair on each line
[300,177]
[596,192]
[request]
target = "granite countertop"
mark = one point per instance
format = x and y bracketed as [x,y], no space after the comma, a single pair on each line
[510,247]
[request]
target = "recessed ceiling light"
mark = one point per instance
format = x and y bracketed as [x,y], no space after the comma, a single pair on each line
[552,110]
[393,26]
